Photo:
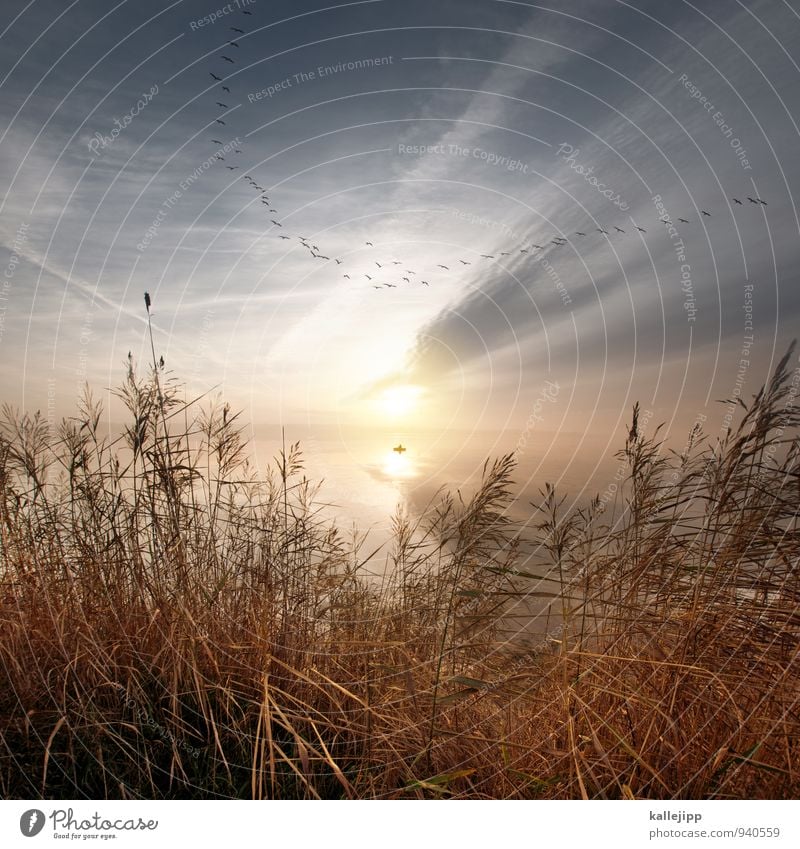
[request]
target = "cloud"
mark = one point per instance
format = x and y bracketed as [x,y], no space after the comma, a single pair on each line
[625,294]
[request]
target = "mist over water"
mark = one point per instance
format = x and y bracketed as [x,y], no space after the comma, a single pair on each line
[364,480]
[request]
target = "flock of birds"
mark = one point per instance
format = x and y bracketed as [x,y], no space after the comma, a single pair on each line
[389,268]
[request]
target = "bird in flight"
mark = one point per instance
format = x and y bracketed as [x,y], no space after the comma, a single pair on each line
[220,122]
[218,79]
[443,266]
[225,88]
[707,214]
[736,200]
[246,13]
[464,262]
[232,167]
[379,265]
[338,262]
[223,105]
[523,250]
[683,220]
[237,30]
[347,276]
[288,238]
[147,302]
[368,277]
[619,229]
[580,234]
[370,244]
[233,44]
[399,448]
[216,141]
[601,230]
[762,202]
[276,223]
[424,282]
[406,279]
[641,229]
[228,59]
[488,256]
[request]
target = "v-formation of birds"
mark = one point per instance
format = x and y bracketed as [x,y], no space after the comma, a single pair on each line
[557,241]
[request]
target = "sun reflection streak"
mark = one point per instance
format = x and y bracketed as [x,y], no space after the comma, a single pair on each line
[398,466]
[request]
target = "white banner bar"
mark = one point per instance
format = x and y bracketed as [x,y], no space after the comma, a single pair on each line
[413,824]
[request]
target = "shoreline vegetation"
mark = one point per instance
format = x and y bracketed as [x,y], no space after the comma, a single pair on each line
[175,625]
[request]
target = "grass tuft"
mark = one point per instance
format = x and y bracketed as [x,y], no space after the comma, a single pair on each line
[173,625]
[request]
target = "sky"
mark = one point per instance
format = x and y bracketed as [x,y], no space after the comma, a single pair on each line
[456,134]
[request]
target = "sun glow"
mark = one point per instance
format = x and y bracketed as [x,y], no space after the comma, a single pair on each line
[399,401]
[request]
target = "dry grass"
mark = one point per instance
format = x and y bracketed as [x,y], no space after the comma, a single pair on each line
[171,626]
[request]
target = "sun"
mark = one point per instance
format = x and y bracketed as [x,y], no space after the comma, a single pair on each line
[399,401]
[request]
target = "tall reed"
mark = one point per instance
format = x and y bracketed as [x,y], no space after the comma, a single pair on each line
[174,624]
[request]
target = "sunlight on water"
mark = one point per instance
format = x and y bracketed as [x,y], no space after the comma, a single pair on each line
[398,466]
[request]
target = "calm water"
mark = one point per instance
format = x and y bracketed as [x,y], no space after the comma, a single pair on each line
[365,480]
